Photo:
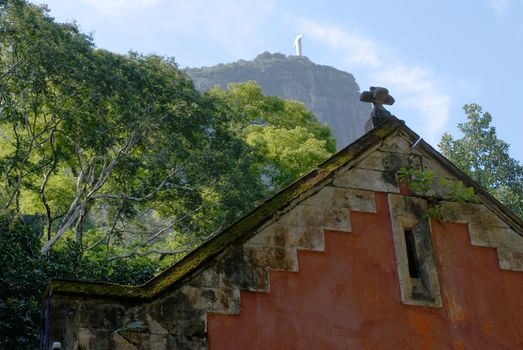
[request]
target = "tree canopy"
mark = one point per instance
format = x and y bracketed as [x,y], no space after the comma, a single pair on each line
[110,163]
[103,143]
[287,136]
[485,158]
[118,152]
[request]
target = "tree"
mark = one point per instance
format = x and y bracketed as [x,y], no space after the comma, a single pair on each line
[25,273]
[109,163]
[121,152]
[485,158]
[118,150]
[287,136]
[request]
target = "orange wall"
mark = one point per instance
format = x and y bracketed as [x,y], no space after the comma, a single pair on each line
[348,298]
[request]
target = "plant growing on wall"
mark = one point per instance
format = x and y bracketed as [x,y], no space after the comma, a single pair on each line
[438,190]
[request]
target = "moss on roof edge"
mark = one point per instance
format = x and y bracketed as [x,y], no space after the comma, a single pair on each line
[179,272]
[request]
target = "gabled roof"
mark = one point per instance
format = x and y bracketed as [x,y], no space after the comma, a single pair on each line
[273,207]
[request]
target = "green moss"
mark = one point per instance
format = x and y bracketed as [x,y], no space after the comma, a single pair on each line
[381,133]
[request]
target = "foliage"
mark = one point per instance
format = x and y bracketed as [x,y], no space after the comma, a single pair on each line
[118,156]
[122,151]
[121,145]
[419,181]
[485,158]
[21,285]
[112,166]
[437,189]
[25,273]
[287,136]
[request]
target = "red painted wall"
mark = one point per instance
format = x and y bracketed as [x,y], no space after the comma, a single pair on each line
[348,298]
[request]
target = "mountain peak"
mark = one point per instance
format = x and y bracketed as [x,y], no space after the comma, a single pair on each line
[332,94]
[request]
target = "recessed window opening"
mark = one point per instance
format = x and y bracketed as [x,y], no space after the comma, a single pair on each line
[418,277]
[412,257]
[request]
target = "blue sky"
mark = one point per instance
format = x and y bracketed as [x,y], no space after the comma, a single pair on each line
[433,56]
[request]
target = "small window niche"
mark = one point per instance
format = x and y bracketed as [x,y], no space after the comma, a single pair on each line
[417,274]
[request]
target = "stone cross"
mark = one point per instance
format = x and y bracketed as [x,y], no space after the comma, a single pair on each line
[378,96]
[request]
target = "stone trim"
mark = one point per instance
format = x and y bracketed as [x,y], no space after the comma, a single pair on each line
[408,213]
[377,170]
[486,229]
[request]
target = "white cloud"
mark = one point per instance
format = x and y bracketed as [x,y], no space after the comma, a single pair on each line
[414,87]
[500,6]
[357,49]
[417,88]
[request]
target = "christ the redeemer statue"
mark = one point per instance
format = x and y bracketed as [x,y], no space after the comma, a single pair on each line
[297,44]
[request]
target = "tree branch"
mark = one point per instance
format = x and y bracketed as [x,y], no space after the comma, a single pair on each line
[142,198]
[41,191]
[188,246]
[149,252]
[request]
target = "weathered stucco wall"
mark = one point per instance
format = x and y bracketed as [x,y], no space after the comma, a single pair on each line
[349,297]
[323,271]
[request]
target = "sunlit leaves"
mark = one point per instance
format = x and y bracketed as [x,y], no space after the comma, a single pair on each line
[286,135]
[485,158]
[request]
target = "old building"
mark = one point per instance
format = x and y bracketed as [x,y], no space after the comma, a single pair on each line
[347,257]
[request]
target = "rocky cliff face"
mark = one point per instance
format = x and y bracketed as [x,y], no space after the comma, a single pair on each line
[332,95]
